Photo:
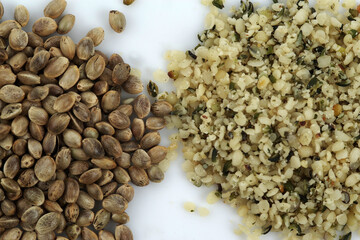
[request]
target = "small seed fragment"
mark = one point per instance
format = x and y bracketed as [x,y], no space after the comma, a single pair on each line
[117,21]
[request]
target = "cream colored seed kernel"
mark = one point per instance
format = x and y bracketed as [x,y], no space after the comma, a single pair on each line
[189,206]
[203,212]
[212,198]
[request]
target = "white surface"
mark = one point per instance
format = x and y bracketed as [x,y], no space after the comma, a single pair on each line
[153,26]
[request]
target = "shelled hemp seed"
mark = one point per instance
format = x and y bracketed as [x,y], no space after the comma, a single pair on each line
[67,137]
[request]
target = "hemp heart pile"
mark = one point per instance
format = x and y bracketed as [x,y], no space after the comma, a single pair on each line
[268,111]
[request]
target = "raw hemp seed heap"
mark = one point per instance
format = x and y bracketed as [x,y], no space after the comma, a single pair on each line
[67,138]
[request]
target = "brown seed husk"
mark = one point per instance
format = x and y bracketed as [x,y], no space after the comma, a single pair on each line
[43,27]
[72,190]
[122,218]
[28,78]
[11,94]
[138,128]
[90,176]
[56,67]
[111,146]
[155,123]
[55,8]
[48,223]
[105,128]
[56,190]
[106,235]
[142,106]
[93,148]
[66,23]
[85,48]
[104,163]
[7,26]
[150,140]
[71,212]
[45,168]
[95,67]
[127,191]
[161,108]
[85,201]
[157,154]
[18,39]
[39,61]
[82,112]
[102,218]
[133,85]
[124,135]
[115,203]
[68,47]
[88,234]
[122,232]
[110,101]
[38,116]
[138,176]
[141,159]
[53,41]
[86,218]
[120,73]
[21,15]
[117,21]
[11,166]
[119,120]
[97,35]
[58,123]
[70,77]
[155,174]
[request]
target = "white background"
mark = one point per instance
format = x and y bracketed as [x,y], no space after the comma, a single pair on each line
[153,27]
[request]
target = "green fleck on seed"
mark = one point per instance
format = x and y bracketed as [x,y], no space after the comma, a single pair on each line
[218,3]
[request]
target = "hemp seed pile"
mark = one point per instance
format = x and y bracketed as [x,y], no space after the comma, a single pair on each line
[70,143]
[269,112]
